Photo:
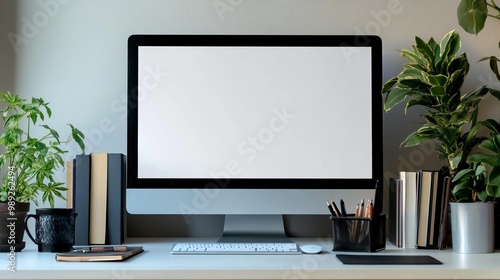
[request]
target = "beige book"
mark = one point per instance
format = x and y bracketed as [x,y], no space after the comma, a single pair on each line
[98,197]
[69,184]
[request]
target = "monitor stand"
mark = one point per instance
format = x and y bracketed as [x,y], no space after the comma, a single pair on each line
[254,228]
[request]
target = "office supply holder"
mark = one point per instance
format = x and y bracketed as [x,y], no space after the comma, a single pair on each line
[358,234]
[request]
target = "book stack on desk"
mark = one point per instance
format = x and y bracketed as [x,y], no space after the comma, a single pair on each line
[96,188]
[418,207]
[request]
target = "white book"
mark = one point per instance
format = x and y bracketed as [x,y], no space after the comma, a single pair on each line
[424,209]
[409,226]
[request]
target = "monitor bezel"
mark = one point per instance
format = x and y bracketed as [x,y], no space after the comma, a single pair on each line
[138,40]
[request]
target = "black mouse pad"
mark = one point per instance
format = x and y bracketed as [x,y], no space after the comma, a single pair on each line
[387,259]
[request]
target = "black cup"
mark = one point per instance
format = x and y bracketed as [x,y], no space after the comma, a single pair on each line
[55,229]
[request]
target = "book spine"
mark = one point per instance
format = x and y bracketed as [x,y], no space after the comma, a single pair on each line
[82,198]
[116,199]
[98,198]
[395,211]
[69,183]
[409,215]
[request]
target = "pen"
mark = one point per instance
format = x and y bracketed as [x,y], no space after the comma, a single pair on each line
[339,214]
[342,208]
[330,208]
[100,249]
[355,225]
[378,200]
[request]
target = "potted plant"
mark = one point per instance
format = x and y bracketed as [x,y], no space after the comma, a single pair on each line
[479,182]
[28,162]
[472,16]
[433,78]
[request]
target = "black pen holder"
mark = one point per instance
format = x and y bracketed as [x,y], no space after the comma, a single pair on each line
[358,234]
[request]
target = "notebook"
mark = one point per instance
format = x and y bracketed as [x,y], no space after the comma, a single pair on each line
[99,255]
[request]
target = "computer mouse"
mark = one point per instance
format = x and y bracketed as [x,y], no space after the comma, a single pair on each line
[311,248]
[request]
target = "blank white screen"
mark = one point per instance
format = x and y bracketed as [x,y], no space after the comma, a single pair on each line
[254,112]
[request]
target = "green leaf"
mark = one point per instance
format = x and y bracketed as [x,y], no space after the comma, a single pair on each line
[436,80]
[459,64]
[412,84]
[423,101]
[434,47]
[493,190]
[493,187]
[438,91]
[494,178]
[480,170]
[495,93]
[431,119]
[492,125]
[471,135]
[411,56]
[472,15]
[491,160]
[455,160]
[490,145]
[483,195]
[450,44]
[462,185]
[425,50]
[78,136]
[395,96]
[494,66]
[416,138]
[422,67]
[386,87]
[411,73]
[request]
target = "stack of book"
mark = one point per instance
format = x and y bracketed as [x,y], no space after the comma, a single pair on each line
[96,192]
[418,209]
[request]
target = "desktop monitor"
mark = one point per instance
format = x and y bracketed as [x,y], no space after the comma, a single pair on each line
[252,126]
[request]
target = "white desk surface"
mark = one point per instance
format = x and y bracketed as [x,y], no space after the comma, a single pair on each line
[157,263]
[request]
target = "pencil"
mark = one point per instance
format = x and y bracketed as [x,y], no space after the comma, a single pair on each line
[370,210]
[355,224]
[342,208]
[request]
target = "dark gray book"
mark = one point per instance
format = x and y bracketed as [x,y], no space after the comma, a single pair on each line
[81,198]
[115,228]
[395,212]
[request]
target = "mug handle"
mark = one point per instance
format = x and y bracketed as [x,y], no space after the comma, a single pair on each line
[26,226]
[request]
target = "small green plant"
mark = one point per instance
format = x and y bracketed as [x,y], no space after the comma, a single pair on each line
[32,160]
[481,181]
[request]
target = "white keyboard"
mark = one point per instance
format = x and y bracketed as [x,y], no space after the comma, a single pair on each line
[235,248]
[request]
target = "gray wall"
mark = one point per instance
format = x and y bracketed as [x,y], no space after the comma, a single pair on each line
[73,54]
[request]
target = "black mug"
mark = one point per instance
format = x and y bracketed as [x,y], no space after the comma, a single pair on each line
[55,229]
